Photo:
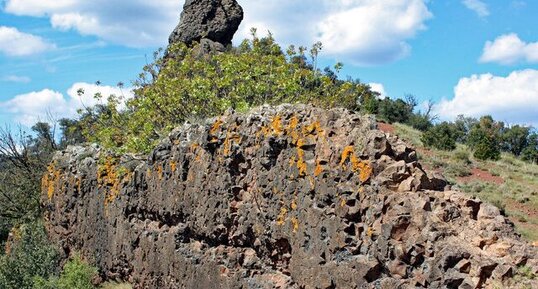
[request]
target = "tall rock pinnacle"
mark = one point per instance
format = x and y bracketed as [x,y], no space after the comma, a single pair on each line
[215,20]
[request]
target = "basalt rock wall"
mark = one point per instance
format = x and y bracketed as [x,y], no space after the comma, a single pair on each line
[281,197]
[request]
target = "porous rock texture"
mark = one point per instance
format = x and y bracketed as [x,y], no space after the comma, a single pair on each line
[281,197]
[208,20]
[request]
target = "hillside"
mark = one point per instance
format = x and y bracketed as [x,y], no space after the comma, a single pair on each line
[509,183]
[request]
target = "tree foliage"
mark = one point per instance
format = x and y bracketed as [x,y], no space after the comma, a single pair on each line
[23,159]
[441,136]
[76,274]
[185,86]
[484,138]
[29,256]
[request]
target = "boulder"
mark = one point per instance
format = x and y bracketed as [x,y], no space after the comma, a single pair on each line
[214,20]
[292,196]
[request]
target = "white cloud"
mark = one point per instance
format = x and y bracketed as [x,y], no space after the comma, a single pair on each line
[479,7]
[512,99]
[16,43]
[36,106]
[16,79]
[510,49]
[365,32]
[361,31]
[133,23]
[379,88]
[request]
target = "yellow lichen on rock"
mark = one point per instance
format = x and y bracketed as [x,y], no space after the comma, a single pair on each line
[231,139]
[314,129]
[319,168]
[293,205]
[216,126]
[49,180]
[276,125]
[358,166]
[281,219]
[295,224]
[110,177]
[173,166]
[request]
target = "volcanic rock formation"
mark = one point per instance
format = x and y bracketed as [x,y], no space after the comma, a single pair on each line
[208,21]
[285,197]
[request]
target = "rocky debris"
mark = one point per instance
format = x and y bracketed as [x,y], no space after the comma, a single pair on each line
[284,197]
[212,21]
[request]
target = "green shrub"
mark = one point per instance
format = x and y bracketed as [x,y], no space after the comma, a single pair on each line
[420,121]
[30,256]
[487,149]
[458,170]
[441,136]
[530,152]
[462,156]
[76,274]
[485,139]
[187,86]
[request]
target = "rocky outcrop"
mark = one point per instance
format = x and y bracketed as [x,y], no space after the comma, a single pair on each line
[211,21]
[285,197]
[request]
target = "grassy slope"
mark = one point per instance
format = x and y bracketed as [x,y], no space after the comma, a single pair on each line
[509,183]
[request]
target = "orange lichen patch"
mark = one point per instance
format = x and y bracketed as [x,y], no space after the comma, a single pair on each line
[348,151]
[295,224]
[342,202]
[301,164]
[313,128]
[50,180]
[173,166]
[319,168]
[274,129]
[216,126]
[292,124]
[108,176]
[281,219]
[293,205]
[370,232]
[231,138]
[160,172]
[363,168]
[193,147]
[276,125]
[291,129]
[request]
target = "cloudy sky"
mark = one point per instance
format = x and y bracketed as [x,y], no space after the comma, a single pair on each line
[471,57]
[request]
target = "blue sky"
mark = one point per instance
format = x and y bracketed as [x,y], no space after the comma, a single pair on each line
[471,57]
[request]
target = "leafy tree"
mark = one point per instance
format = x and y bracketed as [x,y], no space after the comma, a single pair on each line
[485,138]
[441,136]
[393,111]
[72,132]
[23,159]
[463,126]
[530,152]
[515,139]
